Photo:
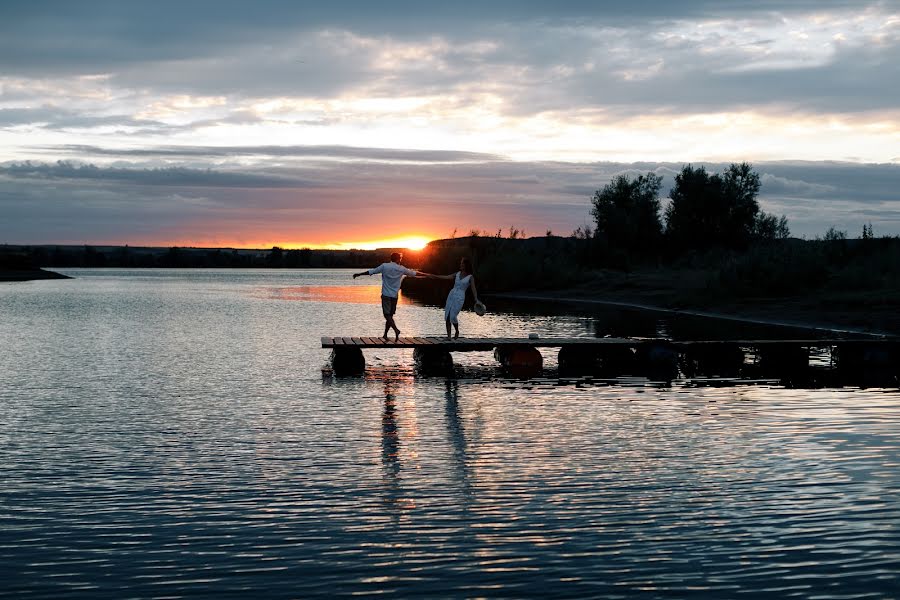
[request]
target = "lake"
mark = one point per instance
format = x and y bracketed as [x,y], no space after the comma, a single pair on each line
[172,433]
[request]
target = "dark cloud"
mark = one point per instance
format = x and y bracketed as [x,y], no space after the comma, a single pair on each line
[51,33]
[40,200]
[53,118]
[171,176]
[541,56]
[333,152]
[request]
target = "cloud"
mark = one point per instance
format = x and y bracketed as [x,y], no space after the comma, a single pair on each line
[51,117]
[330,152]
[624,57]
[303,201]
[170,177]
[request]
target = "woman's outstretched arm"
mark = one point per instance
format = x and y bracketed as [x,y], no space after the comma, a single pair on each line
[474,291]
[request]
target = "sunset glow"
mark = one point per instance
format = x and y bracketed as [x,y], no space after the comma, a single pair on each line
[413,242]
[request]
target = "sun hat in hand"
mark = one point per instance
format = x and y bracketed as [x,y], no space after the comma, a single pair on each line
[480,309]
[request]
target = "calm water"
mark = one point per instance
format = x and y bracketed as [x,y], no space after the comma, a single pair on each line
[171,434]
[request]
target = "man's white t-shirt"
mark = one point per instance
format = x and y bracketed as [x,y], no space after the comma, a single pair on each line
[391,277]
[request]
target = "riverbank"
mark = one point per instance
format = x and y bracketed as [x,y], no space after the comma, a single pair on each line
[681,292]
[29,275]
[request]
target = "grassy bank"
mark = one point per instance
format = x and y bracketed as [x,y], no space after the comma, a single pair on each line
[847,284]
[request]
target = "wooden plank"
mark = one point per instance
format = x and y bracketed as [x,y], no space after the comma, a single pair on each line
[486,343]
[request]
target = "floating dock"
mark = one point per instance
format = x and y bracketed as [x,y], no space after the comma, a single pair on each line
[654,357]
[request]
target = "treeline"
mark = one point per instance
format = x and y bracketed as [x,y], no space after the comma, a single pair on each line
[179,257]
[775,267]
[712,231]
[706,211]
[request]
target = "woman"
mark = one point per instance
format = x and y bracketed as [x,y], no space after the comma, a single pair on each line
[462,279]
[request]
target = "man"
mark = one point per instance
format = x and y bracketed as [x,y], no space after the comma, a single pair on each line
[392,274]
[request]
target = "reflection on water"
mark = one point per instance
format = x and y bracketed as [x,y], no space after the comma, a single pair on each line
[355,294]
[170,434]
[457,435]
[390,450]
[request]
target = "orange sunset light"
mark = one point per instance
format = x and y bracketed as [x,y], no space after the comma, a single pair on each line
[407,242]
[412,242]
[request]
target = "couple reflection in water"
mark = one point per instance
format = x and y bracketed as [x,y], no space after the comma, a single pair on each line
[392,274]
[392,445]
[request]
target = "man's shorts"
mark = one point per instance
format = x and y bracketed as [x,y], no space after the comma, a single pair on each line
[388,306]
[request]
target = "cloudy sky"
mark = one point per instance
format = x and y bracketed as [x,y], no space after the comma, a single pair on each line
[252,124]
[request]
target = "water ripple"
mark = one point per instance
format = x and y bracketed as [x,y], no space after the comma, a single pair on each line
[172,436]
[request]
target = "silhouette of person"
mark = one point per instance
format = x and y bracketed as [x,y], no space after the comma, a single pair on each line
[392,274]
[462,280]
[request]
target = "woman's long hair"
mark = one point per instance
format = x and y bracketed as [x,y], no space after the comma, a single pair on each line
[467,266]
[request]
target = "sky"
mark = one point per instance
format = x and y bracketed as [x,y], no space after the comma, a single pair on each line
[361,124]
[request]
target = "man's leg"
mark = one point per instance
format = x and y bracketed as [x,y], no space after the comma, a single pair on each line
[394,325]
[393,312]
[389,307]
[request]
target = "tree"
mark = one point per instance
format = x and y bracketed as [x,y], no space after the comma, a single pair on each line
[626,212]
[716,210]
[770,227]
[835,235]
[740,186]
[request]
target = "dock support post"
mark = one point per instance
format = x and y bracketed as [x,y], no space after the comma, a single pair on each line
[722,360]
[520,360]
[347,360]
[433,360]
[868,365]
[659,361]
[575,360]
[788,362]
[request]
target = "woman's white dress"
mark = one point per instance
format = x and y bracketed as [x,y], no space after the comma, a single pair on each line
[456,298]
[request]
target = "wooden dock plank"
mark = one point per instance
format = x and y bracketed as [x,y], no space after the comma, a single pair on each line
[487,343]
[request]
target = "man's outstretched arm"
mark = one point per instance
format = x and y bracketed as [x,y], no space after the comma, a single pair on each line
[378,269]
